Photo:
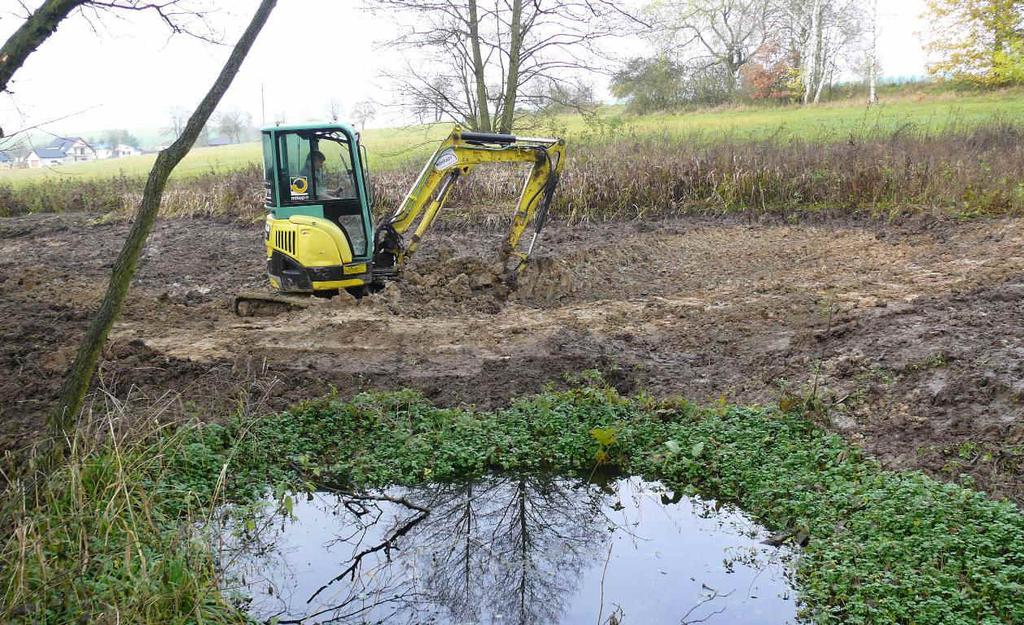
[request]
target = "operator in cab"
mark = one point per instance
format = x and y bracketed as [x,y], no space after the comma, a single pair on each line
[325,188]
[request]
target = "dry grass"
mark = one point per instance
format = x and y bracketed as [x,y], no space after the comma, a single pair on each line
[972,172]
[966,171]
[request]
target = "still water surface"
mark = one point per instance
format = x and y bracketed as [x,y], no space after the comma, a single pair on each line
[506,550]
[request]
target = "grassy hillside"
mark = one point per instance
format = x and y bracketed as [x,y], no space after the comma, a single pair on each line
[389,148]
[923,113]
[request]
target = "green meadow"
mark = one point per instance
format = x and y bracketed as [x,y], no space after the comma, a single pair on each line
[921,113]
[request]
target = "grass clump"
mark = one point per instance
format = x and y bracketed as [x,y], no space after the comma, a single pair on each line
[883,547]
[97,543]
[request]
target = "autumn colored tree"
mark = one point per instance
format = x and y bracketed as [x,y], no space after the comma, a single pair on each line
[771,75]
[980,41]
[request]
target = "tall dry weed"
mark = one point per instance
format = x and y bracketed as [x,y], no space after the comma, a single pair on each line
[963,171]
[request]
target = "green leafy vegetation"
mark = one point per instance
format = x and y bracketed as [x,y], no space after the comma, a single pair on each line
[115,531]
[977,41]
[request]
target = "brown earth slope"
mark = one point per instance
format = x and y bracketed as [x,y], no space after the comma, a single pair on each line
[908,338]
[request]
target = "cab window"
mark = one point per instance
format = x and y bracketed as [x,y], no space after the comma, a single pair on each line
[295,179]
[317,166]
[270,195]
[336,179]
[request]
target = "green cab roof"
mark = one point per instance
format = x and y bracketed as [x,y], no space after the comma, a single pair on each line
[322,126]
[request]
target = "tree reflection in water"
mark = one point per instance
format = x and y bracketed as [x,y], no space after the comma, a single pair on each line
[499,550]
[510,548]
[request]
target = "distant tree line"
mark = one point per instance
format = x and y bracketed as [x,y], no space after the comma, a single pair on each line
[709,52]
[484,63]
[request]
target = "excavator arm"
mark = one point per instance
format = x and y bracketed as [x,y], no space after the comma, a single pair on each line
[456,157]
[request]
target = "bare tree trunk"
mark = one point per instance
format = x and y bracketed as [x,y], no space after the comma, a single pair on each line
[813,61]
[512,79]
[76,383]
[30,35]
[825,77]
[483,114]
[873,57]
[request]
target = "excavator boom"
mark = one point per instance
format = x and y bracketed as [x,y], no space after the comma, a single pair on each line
[456,157]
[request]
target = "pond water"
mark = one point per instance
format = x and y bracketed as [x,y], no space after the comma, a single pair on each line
[506,550]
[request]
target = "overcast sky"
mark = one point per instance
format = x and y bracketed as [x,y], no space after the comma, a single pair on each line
[130,73]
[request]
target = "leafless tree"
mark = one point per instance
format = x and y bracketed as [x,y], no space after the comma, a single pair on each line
[334,109]
[724,34]
[478,61]
[363,112]
[233,124]
[177,117]
[188,17]
[79,376]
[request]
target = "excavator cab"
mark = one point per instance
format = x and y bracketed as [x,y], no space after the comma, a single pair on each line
[319,230]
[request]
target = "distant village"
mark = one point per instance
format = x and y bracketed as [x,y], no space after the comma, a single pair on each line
[68,150]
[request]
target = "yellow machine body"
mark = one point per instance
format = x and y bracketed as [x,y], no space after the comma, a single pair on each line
[319,247]
[318,233]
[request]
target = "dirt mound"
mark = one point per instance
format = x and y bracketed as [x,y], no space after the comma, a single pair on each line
[460,284]
[544,281]
[476,284]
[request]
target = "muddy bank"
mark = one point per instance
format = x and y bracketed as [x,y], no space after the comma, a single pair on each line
[907,337]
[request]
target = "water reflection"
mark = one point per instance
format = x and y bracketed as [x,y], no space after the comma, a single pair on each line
[521,550]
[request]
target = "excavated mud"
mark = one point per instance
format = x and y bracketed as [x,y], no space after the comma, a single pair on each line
[907,338]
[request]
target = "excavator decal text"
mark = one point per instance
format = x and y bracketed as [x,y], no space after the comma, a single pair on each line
[446,160]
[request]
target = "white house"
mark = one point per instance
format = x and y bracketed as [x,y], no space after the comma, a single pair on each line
[120,150]
[44,157]
[60,151]
[123,149]
[6,161]
[75,149]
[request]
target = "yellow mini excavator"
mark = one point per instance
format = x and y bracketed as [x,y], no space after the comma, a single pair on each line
[319,231]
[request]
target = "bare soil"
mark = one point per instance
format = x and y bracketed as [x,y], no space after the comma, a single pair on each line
[907,338]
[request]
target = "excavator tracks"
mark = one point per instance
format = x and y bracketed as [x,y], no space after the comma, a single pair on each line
[264,305]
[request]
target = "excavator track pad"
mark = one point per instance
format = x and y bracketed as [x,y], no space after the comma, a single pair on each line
[266,305]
